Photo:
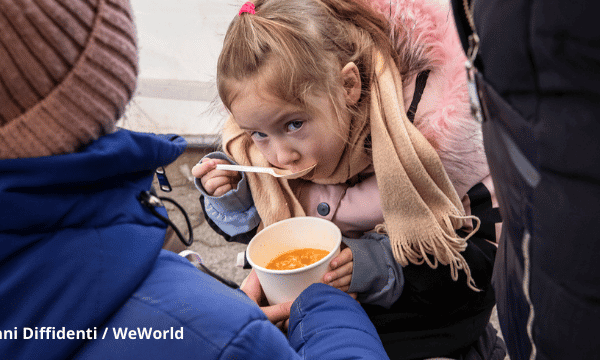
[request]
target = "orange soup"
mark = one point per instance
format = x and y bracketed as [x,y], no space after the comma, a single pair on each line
[296,259]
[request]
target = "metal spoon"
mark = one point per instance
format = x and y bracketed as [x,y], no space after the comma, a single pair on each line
[278,173]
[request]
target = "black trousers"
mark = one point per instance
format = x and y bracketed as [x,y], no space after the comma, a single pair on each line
[438,317]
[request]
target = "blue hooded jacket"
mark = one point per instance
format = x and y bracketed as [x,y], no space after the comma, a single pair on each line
[79,253]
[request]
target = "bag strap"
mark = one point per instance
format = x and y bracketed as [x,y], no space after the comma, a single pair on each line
[150,200]
[419,88]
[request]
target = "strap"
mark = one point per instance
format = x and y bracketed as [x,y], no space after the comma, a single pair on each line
[419,87]
[196,260]
[150,200]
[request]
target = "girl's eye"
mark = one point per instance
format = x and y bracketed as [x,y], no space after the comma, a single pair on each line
[294,125]
[258,135]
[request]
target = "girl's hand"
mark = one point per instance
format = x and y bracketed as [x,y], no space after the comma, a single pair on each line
[215,182]
[340,274]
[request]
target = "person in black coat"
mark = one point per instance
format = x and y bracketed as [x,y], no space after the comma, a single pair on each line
[539,88]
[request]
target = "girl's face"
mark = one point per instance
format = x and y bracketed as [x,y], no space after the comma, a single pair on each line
[287,135]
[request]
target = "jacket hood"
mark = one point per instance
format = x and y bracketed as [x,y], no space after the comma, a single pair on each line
[30,187]
[444,113]
[74,240]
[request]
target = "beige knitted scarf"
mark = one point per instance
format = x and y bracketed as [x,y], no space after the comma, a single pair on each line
[421,208]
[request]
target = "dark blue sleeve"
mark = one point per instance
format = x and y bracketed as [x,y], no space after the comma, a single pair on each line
[326,323]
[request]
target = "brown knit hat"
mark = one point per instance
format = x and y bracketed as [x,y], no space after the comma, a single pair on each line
[68,68]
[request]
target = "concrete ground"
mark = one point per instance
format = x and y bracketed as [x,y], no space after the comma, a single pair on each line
[217,254]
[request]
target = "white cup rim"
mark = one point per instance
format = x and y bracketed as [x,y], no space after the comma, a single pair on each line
[304,268]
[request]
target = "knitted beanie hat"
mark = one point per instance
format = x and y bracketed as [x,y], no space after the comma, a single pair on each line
[68,68]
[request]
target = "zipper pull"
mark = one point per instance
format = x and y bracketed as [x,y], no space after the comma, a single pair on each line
[163,181]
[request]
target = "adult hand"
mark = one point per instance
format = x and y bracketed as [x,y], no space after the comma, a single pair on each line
[340,274]
[215,182]
[278,314]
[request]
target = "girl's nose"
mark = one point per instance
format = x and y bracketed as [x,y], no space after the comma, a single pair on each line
[287,156]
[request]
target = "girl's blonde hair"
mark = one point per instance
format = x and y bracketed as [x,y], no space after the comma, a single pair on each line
[297,48]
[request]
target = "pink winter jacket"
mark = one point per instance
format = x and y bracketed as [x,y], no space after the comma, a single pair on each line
[443,116]
[354,209]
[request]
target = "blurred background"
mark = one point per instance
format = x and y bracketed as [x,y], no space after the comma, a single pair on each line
[179,44]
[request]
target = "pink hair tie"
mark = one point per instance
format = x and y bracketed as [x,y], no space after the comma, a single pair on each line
[247,7]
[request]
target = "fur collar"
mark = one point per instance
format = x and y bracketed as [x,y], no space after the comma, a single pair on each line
[426,30]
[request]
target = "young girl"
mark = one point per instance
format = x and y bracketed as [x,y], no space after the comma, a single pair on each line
[329,82]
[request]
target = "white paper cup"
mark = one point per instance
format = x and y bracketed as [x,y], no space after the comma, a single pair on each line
[286,235]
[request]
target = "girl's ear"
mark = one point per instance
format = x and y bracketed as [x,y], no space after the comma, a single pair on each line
[352,85]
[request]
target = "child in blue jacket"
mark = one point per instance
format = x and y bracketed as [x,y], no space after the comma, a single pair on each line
[82,272]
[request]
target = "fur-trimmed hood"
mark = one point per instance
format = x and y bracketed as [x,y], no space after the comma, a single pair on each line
[425,30]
